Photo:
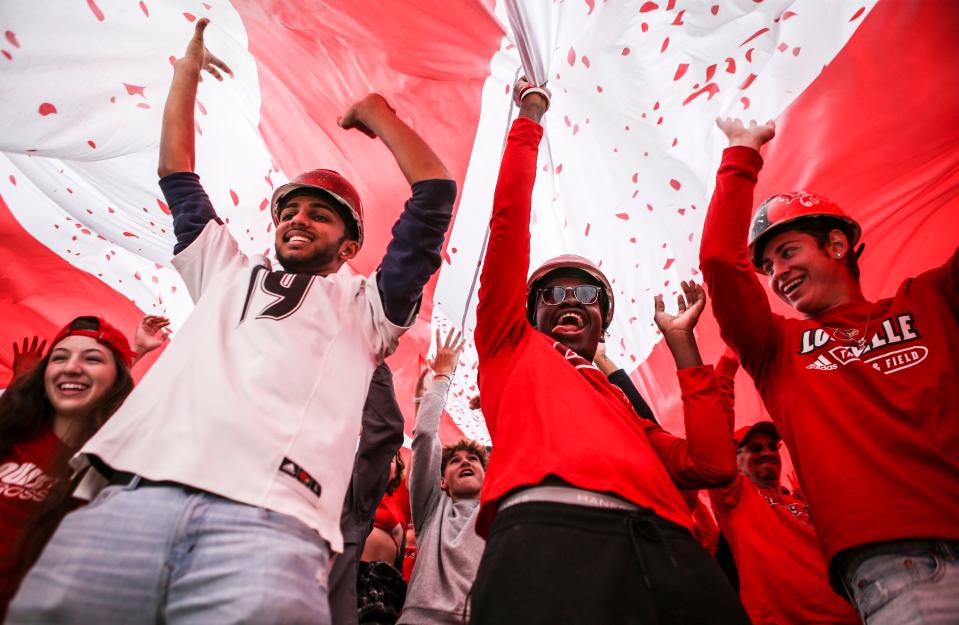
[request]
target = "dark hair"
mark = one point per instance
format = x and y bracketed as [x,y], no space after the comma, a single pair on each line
[397,476]
[534,290]
[463,444]
[26,412]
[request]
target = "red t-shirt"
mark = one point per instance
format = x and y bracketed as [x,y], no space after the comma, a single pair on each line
[394,509]
[27,474]
[782,575]
[548,418]
[873,433]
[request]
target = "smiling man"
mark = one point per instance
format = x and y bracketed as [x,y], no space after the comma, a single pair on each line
[228,465]
[865,394]
[577,480]
[782,575]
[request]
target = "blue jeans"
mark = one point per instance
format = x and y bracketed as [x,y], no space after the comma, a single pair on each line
[918,584]
[172,555]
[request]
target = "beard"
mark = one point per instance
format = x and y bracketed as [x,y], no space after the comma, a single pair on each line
[321,258]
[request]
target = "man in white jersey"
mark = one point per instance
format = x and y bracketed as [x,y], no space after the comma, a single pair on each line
[228,465]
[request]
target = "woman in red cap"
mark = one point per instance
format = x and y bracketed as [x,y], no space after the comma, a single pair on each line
[47,413]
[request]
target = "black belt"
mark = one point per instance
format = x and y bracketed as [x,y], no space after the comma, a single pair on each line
[125,478]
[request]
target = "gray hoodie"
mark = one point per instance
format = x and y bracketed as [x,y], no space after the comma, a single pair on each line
[448,550]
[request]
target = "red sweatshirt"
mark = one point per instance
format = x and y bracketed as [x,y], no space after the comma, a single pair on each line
[873,433]
[548,418]
[27,474]
[782,574]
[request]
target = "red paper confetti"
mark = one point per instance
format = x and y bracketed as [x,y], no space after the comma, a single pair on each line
[135,90]
[648,6]
[47,109]
[625,52]
[711,89]
[234,197]
[710,71]
[679,18]
[592,5]
[131,235]
[675,184]
[163,206]
[714,9]
[571,57]
[12,38]
[669,263]
[96,10]
[730,65]
[754,35]
[623,216]
[189,17]
[856,15]
[143,7]
[749,80]
[681,71]
[92,144]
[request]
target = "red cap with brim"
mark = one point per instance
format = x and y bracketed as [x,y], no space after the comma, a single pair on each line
[766,427]
[106,334]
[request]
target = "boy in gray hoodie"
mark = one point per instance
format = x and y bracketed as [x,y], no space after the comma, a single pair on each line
[445,484]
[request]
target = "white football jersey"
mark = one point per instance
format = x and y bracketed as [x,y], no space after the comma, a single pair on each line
[259,397]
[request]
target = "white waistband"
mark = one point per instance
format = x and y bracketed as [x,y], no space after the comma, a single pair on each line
[567,495]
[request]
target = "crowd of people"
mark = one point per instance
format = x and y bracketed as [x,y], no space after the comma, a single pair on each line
[255,475]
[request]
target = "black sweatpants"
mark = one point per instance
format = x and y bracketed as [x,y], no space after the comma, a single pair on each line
[561,564]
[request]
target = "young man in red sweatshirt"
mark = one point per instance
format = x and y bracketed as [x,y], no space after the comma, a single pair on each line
[577,481]
[865,394]
[782,575]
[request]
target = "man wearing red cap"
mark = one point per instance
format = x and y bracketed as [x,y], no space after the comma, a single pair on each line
[577,480]
[865,394]
[782,575]
[228,465]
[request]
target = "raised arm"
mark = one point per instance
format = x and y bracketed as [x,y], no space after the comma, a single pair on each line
[707,457]
[381,437]
[500,318]
[424,477]
[188,202]
[725,498]
[740,303]
[621,379]
[150,334]
[413,254]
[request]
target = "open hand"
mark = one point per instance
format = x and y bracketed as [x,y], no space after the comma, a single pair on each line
[28,356]
[448,352]
[690,308]
[754,135]
[198,55]
[150,334]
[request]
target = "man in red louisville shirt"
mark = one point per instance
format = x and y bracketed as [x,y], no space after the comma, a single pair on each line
[865,394]
[577,481]
[782,576]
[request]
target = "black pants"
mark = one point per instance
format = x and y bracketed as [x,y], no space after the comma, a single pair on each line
[557,564]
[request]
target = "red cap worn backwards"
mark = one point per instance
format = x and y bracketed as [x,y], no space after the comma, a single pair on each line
[98,328]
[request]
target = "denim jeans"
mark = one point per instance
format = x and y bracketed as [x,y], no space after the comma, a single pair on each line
[918,584]
[173,555]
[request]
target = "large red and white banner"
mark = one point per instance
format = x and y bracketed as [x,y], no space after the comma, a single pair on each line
[862,92]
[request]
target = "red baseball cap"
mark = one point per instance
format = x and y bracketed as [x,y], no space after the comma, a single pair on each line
[99,329]
[766,427]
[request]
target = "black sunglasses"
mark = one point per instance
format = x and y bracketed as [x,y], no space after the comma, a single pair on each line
[584,294]
[755,448]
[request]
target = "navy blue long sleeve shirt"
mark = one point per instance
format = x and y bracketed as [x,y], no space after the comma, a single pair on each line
[412,256]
